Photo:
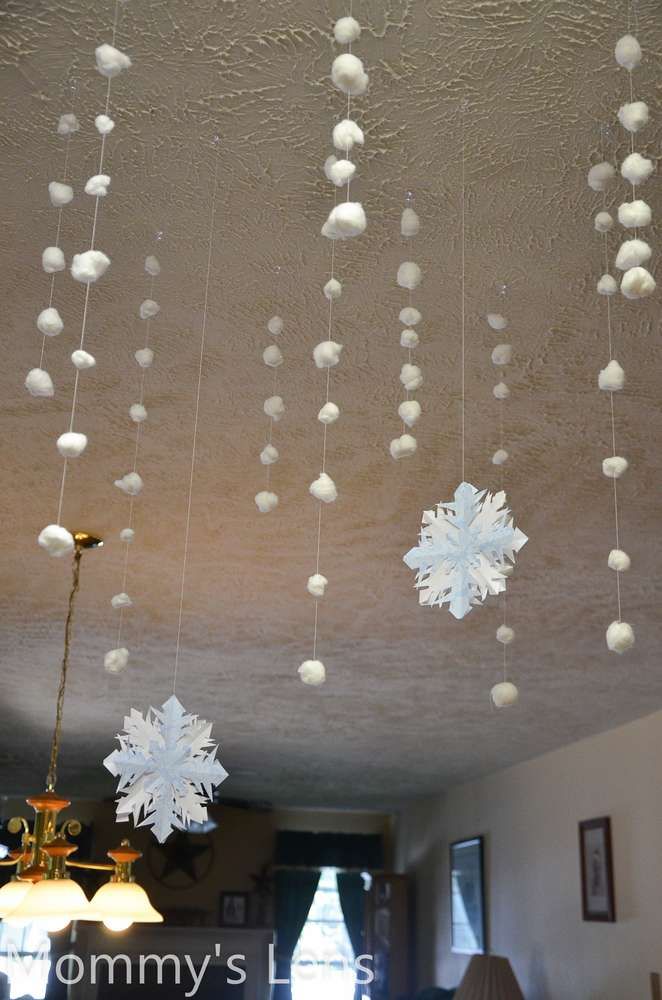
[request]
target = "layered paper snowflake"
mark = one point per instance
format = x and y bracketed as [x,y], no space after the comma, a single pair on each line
[167,769]
[463,548]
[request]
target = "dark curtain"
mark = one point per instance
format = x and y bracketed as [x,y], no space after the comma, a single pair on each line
[351,890]
[361,852]
[294,892]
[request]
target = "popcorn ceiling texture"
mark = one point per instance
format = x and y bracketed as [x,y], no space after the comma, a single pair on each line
[406,709]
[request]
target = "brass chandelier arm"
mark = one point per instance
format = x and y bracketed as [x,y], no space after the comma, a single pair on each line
[55,744]
[9,862]
[95,866]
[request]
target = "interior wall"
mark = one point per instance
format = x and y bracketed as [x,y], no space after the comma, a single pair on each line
[529,815]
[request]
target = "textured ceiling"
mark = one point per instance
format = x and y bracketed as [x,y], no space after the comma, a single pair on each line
[405,710]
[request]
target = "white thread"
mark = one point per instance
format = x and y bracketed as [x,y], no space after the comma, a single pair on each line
[462,216]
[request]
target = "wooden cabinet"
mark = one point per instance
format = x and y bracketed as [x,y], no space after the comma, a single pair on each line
[387,937]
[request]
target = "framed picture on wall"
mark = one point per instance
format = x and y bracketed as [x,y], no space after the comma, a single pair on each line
[233,909]
[597,870]
[468,923]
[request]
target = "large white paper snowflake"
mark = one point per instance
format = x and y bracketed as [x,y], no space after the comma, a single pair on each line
[167,769]
[463,548]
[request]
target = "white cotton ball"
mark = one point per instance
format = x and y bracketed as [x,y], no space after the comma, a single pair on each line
[98,185]
[327,354]
[634,214]
[56,540]
[409,412]
[324,488]
[504,694]
[39,383]
[633,116]
[269,454]
[148,309]
[346,134]
[145,357]
[89,266]
[638,283]
[611,378]
[345,221]
[332,289]
[328,164]
[116,660]
[316,585]
[82,360]
[67,125]
[60,194]
[600,176]
[614,466]
[505,634]
[603,222]
[607,285]
[497,321]
[275,326]
[152,266]
[71,444]
[52,260]
[328,414]
[502,354]
[409,275]
[272,356]
[341,172]
[632,253]
[274,407]
[636,168]
[409,222]
[49,322]
[411,377]
[110,61]
[620,637]
[121,601]
[312,672]
[348,75]
[346,30]
[628,52]
[409,338]
[138,413]
[104,124]
[410,316]
[403,446]
[501,391]
[131,484]
[127,535]
[500,456]
[265,501]
[618,560]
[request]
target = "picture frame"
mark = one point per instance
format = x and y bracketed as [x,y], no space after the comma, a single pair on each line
[597,870]
[467,897]
[233,909]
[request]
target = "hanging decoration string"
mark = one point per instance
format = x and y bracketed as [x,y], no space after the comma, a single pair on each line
[59,708]
[408,277]
[266,500]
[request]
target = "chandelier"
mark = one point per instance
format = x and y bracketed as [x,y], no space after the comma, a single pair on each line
[41,890]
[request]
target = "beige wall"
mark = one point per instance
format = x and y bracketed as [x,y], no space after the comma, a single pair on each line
[529,815]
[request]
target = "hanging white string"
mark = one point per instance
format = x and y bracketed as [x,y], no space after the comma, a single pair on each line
[463,108]
[203,336]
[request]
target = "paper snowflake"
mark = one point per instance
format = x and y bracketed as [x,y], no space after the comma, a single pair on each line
[463,549]
[167,769]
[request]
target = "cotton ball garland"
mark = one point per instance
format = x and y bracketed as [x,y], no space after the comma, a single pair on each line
[328,414]
[403,446]
[620,637]
[67,125]
[327,354]
[275,326]
[127,535]
[618,560]
[505,634]
[603,222]
[346,30]
[56,540]
[409,275]
[89,266]
[131,484]
[633,116]
[636,168]
[411,377]
[410,316]
[49,322]
[332,289]
[504,694]
[272,356]
[312,672]
[269,454]
[409,338]
[497,321]
[104,124]
[324,488]
[152,266]
[607,285]
[39,383]
[266,501]
[148,309]
[614,466]
[316,585]
[634,214]
[138,413]
[116,660]
[98,185]
[611,378]
[71,444]
[60,194]
[632,253]
[502,354]
[121,601]
[501,391]
[410,223]
[409,412]
[145,357]
[110,61]
[345,221]
[638,283]
[348,75]
[500,456]
[341,172]
[600,176]
[628,52]
[346,134]
[274,407]
[52,260]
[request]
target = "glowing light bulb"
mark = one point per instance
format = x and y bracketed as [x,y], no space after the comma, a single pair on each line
[117,924]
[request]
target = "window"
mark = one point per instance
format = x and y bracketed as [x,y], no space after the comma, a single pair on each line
[323,961]
[24,959]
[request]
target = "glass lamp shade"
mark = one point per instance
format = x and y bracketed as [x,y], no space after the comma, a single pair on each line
[120,904]
[53,903]
[11,895]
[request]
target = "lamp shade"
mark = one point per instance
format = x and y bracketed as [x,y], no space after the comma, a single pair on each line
[120,904]
[11,895]
[53,902]
[489,977]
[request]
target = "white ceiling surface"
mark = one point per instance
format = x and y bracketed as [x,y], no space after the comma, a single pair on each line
[405,710]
